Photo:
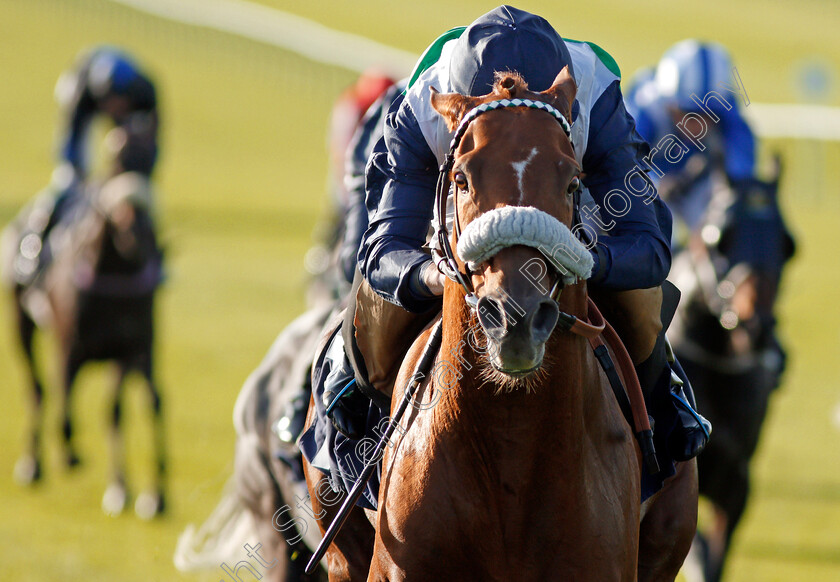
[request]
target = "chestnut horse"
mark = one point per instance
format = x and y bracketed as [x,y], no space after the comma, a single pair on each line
[516,462]
[97,296]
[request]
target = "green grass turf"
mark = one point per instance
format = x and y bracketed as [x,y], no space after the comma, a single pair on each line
[241,184]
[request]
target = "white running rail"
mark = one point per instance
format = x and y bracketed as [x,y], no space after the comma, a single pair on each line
[784,120]
[356,53]
[284,30]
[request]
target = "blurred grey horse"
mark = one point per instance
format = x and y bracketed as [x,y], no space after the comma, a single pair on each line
[264,502]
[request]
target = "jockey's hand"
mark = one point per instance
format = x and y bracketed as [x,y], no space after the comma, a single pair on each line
[433,279]
[347,411]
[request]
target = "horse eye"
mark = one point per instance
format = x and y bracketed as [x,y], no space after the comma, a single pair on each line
[574,185]
[460,180]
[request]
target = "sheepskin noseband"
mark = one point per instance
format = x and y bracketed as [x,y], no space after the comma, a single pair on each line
[524,225]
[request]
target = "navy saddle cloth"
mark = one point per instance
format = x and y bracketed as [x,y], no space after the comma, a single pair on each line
[341,458]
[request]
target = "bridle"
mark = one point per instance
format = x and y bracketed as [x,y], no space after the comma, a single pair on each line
[590,326]
[717,292]
[443,255]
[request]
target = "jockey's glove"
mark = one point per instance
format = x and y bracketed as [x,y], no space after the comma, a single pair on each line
[347,409]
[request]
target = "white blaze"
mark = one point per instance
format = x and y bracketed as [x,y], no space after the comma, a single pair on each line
[519,168]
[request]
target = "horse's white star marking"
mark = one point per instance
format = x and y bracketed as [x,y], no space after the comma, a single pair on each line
[519,168]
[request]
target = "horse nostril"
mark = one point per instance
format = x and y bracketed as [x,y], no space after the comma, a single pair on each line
[491,317]
[544,320]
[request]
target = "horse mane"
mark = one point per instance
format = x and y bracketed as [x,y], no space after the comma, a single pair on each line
[511,85]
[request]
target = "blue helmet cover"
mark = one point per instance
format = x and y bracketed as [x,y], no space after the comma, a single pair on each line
[507,39]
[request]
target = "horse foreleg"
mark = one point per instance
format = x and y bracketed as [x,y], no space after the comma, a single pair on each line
[72,365]
[153,503]
[28,467]
[725,517]
[668,526]
[116,494]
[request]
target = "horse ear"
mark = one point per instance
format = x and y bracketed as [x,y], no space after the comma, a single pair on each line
[452,106]
[563,91]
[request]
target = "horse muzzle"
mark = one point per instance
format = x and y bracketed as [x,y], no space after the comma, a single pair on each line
[516,335]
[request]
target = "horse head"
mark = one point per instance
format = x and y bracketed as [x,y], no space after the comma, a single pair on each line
[736,260]
[514,177]
[124,246]
[118,234]
[754,235]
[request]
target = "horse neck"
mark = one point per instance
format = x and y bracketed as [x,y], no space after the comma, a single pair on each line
[115,260]
[88,237]
[506,424]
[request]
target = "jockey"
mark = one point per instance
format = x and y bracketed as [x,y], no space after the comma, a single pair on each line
[398,280]
[696,78]
[332,259]
[105,82]
[347,114]
[368,132]
[375,93]
[693,79]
